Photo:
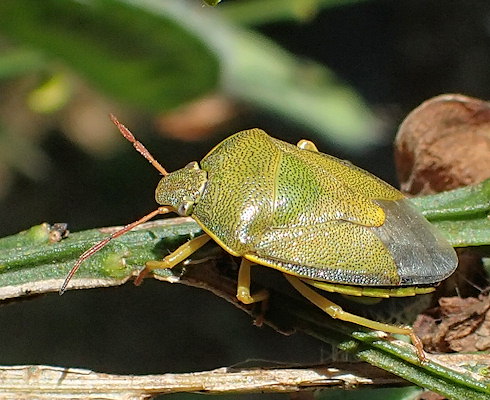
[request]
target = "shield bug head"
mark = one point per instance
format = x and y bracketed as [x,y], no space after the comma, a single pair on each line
[182,189]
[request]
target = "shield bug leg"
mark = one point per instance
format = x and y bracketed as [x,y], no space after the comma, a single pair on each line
[243,288]
[180,254]
[337,312]
[304,144]
[243,291]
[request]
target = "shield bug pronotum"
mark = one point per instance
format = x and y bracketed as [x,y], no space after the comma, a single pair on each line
[321,221]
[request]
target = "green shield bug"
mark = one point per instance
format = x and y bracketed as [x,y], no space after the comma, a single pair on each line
[321,221]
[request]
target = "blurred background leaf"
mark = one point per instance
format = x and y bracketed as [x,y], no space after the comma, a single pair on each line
[131,53]
[161,55]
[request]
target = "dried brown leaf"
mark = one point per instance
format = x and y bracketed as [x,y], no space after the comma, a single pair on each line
[460,325]
[444,144]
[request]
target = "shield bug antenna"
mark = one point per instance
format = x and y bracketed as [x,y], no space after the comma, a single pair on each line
[138,145]
[160,210]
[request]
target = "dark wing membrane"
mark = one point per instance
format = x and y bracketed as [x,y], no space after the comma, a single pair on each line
[421,254]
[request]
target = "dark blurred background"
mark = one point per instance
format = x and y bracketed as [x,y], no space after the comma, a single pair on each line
[62,161]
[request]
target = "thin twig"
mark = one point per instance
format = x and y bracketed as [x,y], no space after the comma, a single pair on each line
[45,382]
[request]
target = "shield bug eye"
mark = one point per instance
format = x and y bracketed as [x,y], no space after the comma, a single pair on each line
[185,208]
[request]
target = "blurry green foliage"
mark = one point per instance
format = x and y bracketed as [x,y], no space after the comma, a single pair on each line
[137,56]
[157,56]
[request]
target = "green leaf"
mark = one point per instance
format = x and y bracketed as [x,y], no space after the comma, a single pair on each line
[132,53]
[461,214]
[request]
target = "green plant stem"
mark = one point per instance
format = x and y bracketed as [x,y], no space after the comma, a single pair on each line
[461,214]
